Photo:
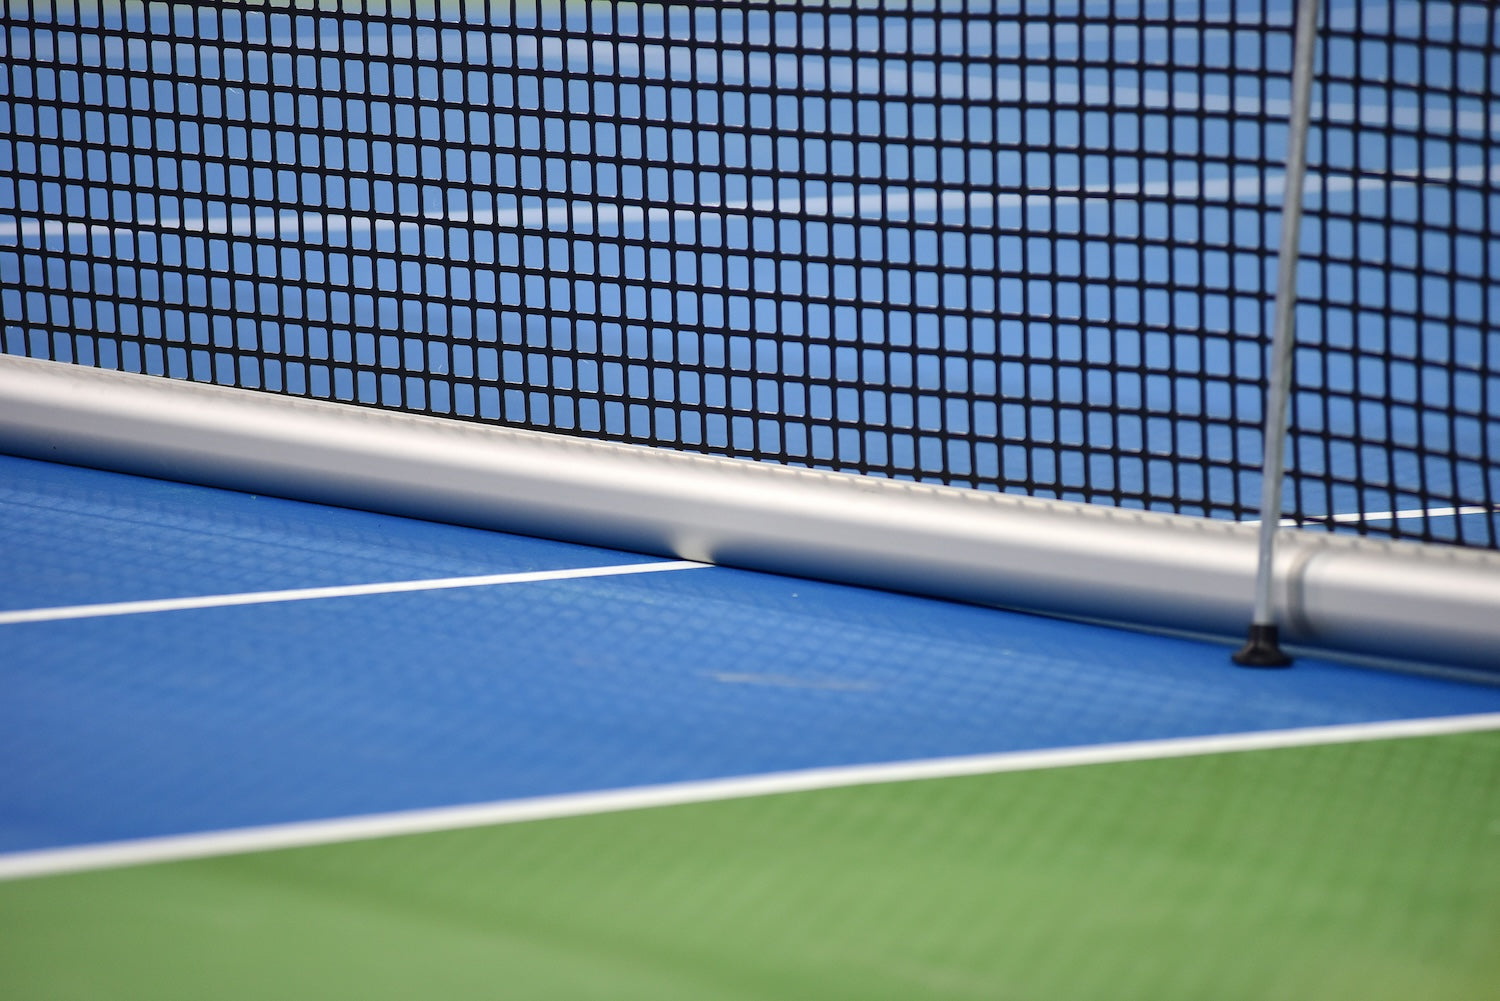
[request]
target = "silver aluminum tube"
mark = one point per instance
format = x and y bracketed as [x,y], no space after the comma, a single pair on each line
[1340,594]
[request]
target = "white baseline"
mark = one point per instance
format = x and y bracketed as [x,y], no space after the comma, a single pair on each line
[52,861]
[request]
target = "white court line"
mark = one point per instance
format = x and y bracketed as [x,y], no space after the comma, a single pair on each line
[340,591]
[586,217]
[52,861]
[1409,513]
[1354,517]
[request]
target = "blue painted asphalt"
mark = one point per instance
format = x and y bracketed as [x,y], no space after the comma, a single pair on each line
[194,720]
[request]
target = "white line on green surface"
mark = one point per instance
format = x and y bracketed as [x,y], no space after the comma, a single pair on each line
[338,591]
[79,858]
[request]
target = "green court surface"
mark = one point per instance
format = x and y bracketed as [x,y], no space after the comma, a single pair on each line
[1365,871]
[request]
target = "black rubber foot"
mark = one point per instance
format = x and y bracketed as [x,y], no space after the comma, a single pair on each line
[1262,649]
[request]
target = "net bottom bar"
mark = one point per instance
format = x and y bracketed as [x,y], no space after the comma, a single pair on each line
[1338,594]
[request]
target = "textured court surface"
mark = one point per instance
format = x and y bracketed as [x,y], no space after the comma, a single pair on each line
[1040,266]
[151,724]
[1359,871]
[1356,872]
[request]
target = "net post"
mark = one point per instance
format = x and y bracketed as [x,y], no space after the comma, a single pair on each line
[1262,646]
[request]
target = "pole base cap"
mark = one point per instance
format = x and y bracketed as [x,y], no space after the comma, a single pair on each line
[1262,649]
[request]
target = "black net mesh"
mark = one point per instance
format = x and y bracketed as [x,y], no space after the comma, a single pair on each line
[1396,423]
[1014,246]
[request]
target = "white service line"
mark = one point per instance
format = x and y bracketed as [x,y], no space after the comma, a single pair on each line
[1355,517]
[1419,512]
[876,203]
[339,591]
[52,861]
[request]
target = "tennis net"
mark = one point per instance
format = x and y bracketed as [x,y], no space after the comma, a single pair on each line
[1025,247]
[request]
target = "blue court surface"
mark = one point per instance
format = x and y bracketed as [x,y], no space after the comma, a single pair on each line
[159,722]
[956,243]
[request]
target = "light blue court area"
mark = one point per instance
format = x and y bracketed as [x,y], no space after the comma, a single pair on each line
[812,236]
[164,722]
